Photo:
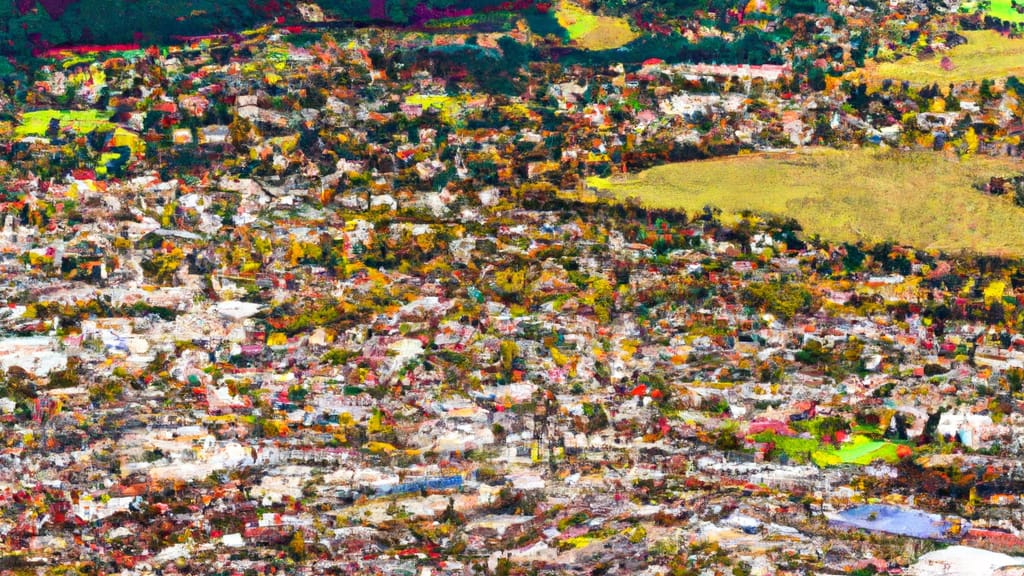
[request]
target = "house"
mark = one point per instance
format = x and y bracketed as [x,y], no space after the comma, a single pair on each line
[38,355]
[967,428]
[181,136]
[215,135]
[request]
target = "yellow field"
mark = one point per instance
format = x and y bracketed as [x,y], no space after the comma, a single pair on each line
[593,32]
[986,55]
[449,107]
[37,122]
[920,199]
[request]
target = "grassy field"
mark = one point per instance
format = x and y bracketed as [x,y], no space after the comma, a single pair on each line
[592,32]
[987,54]
[921,199]
[449,107]
[860,451]
[82,121]
[1002,9]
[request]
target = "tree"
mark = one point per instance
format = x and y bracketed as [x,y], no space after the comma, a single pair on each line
[509,352]
[69,377]
[240,130]
[597,418]
[726,438]
[854,258]
[783,299]
[816,79]
[163,266]
[311,252]
[985,91]
[1014,379]
[995,313]
[971,141]
[106,391]
[274,428]
[510,283]
[297,546]
[295,253]
[450,515]
[832,424]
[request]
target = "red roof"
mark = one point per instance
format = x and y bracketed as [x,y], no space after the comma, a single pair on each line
[776,426]
[164,106]
[1003,540]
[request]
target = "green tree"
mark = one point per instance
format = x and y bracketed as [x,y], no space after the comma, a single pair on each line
[725,438]
[782,299]
[985,90]
[509,352]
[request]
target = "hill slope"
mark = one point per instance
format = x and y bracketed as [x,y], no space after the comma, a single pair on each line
[32,25]
[921,199]
[987,54]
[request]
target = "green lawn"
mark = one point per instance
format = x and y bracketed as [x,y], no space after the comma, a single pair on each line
[1002,9]
[860,451]
[82,121]
[797,449]
[921,199]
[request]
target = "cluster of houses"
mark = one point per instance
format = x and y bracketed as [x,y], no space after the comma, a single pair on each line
[327,306]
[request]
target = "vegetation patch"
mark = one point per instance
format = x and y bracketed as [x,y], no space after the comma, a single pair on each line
[860,450]
[592,32]
[577,21]
[796,449]
[38,122]
[448,107]
[1002,9]
[496,21]
[545,24]
[917,198]
[987,54]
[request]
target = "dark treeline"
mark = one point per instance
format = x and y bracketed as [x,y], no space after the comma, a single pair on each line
[30,26]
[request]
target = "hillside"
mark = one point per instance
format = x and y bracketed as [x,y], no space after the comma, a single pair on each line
[32,26]
[922,199]
[27,26]
[986,54]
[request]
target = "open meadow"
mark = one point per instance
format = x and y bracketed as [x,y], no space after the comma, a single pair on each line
[592,32]
[1002,9]
[921,199]
[987,54]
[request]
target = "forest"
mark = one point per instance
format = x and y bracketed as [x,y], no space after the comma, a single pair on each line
[29,27]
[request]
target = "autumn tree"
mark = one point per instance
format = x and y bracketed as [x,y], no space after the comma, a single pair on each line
[240,131]
[970,142]
[509,352]
[297,546]
[162,267]
[510,283]
[783,299]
